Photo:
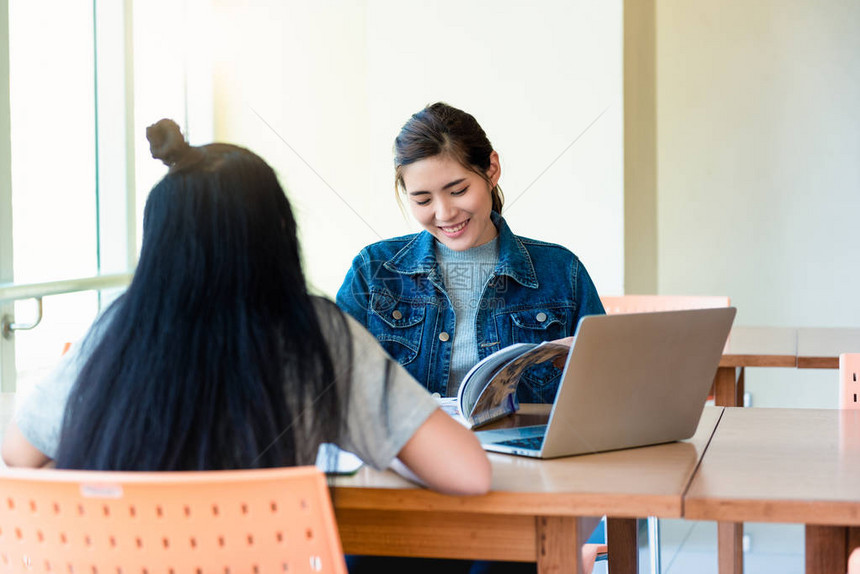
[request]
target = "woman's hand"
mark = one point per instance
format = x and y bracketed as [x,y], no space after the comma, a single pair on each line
[559,362]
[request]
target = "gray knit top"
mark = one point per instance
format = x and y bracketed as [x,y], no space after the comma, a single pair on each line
[465,274]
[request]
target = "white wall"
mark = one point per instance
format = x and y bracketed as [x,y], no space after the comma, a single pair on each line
[335,81]
[172,79]
[758,116]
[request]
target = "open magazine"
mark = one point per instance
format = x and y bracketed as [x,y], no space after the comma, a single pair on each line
[335,461]
[489,390]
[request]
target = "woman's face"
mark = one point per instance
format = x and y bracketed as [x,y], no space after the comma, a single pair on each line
[452,202]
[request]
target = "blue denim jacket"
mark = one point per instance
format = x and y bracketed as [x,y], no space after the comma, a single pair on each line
[537,292]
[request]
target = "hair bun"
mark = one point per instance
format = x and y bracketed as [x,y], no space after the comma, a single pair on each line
[166,142]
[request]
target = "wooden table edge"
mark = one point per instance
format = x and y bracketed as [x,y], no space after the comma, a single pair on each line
[830,512]
[817,362]
[789,361]
[510,503]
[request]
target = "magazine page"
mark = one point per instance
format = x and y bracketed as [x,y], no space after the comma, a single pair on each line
[503,382]
[480,375]
[450,406]
[335,461]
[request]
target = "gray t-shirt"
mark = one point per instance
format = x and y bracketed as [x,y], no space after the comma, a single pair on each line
[465,274]
[383,415]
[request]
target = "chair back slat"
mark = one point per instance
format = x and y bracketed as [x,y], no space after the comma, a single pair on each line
[256,521]
[651,303]
[849,381]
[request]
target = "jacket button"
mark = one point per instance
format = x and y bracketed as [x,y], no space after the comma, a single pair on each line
[443,336]
[397,314]
[541,317]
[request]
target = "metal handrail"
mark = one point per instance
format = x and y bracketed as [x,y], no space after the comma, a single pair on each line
[10,326]
[17,291]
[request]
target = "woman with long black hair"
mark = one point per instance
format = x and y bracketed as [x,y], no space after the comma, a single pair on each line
[217,357]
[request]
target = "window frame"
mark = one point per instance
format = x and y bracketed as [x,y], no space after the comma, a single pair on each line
[7,349]
[116,214]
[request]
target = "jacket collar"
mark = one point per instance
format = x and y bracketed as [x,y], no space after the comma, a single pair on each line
[418,257]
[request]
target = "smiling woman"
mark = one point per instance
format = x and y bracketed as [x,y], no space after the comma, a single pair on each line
[441,300]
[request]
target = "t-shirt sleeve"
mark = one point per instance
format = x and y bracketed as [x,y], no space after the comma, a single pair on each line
[39,412]
[386,405]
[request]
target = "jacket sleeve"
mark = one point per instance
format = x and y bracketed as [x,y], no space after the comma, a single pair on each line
[587,299]
[354,294]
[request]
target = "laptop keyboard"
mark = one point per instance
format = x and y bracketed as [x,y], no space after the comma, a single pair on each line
[531,443]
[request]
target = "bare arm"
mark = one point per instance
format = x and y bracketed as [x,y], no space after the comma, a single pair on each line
[459,467]
[18,451]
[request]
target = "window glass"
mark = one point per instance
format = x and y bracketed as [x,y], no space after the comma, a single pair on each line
[80,98]
[51,73]
[53,152]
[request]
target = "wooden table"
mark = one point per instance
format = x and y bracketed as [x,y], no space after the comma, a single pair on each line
[770,347]
[785,465]
[820,348]
[804,348]
[530,514]
[752,347]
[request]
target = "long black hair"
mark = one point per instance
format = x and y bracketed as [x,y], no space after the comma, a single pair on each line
[216,356]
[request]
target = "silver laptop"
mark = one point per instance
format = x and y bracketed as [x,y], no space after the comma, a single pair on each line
[630,380]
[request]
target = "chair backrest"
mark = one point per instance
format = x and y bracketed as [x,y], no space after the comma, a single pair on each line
[255,521]
[650,303]
[849,381]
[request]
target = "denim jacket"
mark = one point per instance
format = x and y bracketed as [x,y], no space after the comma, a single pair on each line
[537,292]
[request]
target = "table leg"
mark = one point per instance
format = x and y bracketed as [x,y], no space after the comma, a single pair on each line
[739,388]
[826,549]
[730,549]
[558,545]
[622,539]
[725,387]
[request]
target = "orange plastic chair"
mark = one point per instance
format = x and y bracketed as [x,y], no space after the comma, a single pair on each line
[650,303]
[849,381]
[254,521]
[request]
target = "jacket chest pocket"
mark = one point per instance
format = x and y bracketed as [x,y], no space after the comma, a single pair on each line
[397,325]
[539,383]
[538,325]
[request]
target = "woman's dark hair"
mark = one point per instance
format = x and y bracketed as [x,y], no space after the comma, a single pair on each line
[440,129]
[215,357]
